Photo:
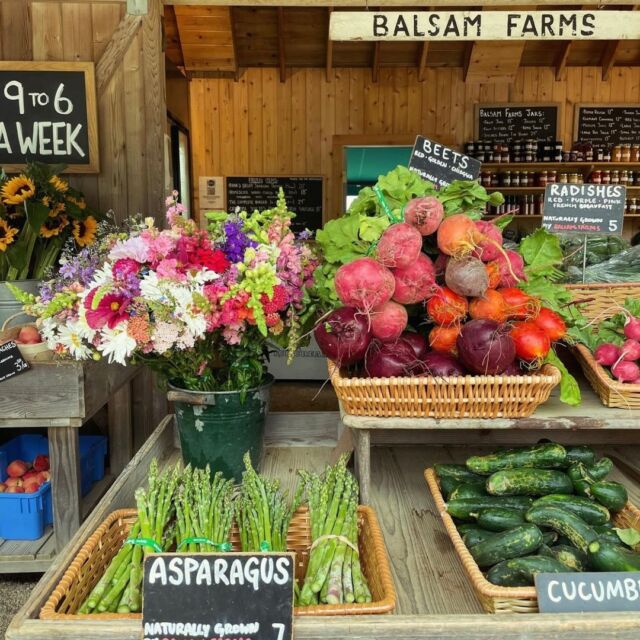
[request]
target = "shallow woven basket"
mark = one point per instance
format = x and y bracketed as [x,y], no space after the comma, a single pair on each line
[601,297]
[96,554]
[446,397]
[621,395]
[493,598]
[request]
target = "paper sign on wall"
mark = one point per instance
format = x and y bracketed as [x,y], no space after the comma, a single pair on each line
[211,193]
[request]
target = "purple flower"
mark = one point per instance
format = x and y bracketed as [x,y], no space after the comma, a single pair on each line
[236,242]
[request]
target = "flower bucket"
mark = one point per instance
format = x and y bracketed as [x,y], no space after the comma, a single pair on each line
[218,427]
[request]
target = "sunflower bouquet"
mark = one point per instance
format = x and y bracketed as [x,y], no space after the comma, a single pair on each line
[39,213]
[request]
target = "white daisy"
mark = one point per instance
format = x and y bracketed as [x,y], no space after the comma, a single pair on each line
[71,339]
[117,346]
[150,288]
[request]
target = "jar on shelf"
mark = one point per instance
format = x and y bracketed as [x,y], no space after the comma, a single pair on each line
[606,177]
[574,178]
[624,177]
[616,153]
[542,178]
[632,205]
[606,155]
[625,154]
[506,179]
[515,179]
[596,177]
[615,177]
[566,156]
[588,154]
[552,177]
[524,179]
[563,177]
[495,182]
[635,153]
[485,178]
[598,155]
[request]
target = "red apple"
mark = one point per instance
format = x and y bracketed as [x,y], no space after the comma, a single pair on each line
[31,487]
[13,482]
[3,487]
[32,473]
[44,476]
[17,468]
[29,335]
[41,463]
[15,490]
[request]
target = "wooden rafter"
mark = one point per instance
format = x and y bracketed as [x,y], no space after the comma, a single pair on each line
[234,45]
[375,62]
[281,51]
[422,61]
[468,51]
[609,57]
[562,59]
[329,61]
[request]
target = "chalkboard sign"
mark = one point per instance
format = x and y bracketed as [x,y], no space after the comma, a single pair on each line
[48,114]
[607,124]
[441,165]
[11,361]
[304,195]
[225,595]
[510,122]
[584,209]
[585,592]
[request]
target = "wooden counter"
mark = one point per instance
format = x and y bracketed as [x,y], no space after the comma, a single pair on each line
[435,598]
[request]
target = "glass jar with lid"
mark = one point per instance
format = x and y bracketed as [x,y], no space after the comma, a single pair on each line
[506,179]
[606,177]
[616,153]
[625,153]
[596,177]
[542,178]
[624,177]
[615,177]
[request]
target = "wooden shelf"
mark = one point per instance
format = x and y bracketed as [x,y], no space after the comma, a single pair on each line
[28,556]
[510,190]
[560,165]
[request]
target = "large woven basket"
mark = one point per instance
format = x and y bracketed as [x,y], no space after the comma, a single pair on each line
[493,598]
[599,298]
[622,395]
[92,561]
[446,397]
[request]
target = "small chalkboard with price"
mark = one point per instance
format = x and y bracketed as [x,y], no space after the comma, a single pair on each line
[11,361]
[508,122]
[223,595]
[48,114]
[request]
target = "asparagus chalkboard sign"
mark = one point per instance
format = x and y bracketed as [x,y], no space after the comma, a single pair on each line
[11,361]
[304,195]
[607,124]
[511,122]
[48,113]
[584,209]
[441,165]
[225,595]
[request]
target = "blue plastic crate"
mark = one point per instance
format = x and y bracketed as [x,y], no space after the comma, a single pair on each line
[24,516]
[93,451]
[25,447]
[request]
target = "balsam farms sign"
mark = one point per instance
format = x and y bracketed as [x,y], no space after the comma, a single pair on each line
[487,25]
[48,114]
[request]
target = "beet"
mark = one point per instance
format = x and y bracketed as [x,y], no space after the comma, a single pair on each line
[485,347]
[467,277]
[364,284]
[415,282]
[343,336]
[389,359]
[399,246]
[440,364]
[417,341]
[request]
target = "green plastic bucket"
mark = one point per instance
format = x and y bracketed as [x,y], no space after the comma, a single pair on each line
[217,428]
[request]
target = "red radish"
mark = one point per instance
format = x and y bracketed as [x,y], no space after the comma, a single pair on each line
[511,268]
[387,359]
[44,476]
[520,306]
[343,336]
[632,328]
[3,487]
[41,463]
[446,307]
[31,487]
[389,321]
[399,245]
[491,306]
[415,282]
[493,273]
[443,339]
[425,214]
[606,354]
[488,249]
[467,277]
[28,335]
[15,489]
[417,341]
[442,364]
[532,343]
[625,371]
[13,482]
[630,350]
[364,284]
[17,468]
[440,264]
[485,347]
[551,323]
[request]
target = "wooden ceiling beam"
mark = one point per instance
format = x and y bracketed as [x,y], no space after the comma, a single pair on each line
[329,58]
[468,52]
[352,4]
[375,63]
[562,58]
[281,51]
[422,60]
[234,45]
[609,57]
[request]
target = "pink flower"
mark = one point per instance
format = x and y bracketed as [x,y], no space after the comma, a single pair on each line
[135,248]
[232,333]
[168,268]
[110,310]
[124,268]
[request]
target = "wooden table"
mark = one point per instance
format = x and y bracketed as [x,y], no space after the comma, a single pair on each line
[434,596]
[62,397]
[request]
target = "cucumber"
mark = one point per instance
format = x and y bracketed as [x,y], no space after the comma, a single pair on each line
[573,558]
[500,519]
[520,572]
[528,482]
[466,527]
[549,537]
[457,472]
[448,486]
[538,455]
[472,538]
[580,479]
[610,536]
[580,453]
[564,541]
[469,508]
[564,522]
[514,543]
[612,495]
[606,556]
[588,510]
[604,526]
[467,490]
[601,469]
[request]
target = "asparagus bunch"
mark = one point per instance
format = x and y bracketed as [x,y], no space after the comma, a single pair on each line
[334,574]
[263,512]
[204,510]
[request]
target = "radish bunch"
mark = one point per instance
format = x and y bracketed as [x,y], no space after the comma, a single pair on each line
[623,360]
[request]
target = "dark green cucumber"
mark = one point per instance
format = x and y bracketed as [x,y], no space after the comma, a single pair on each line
[606,556]
[458,472]
[580,453]
[588,510]
[549,537]
[573,558]
[472,538]
[564,541]
[466,527]
[565,523]
[448,486]
[601,469]
[514,543]
[604,526]
[467,490]
[521,572]
[612,495]
[469,508]
[539,456]
[580,479]
[528,482]
[610,536]
[500,519]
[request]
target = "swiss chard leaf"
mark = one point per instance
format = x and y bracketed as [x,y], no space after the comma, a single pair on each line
[569,389]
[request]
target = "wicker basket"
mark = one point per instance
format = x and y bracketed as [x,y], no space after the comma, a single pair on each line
[92,560]
[446,397]
[493,598]
[600,297]
[611,392]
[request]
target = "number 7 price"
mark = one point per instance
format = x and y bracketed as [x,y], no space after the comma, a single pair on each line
[279,627]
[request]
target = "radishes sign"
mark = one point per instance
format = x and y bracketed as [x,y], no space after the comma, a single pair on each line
[48,114]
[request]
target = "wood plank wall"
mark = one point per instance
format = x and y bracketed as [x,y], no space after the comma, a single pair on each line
[259,125]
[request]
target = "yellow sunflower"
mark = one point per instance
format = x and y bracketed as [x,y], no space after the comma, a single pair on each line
[84,231]
[81,204]
[56,209]
[53,226]
[59,184]
[46,201]
[17,190]
[6,234]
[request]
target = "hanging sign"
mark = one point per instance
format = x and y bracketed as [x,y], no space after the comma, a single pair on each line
[224,595]
[487,25]
[507,122]
[607,124]
[584,209]
[586,592]
[11,361]
[48,113]
[441,165]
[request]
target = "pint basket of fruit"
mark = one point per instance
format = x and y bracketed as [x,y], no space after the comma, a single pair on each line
[27,336]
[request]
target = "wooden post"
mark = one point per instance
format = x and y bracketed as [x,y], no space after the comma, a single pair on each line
[362,438]
[120,432]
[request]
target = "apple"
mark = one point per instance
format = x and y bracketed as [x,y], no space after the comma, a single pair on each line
[44,476]
[32,473]
[13,482]
[30,487]
[17,468]
[15,490]
[41,463]
[3,487]
[28,335]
